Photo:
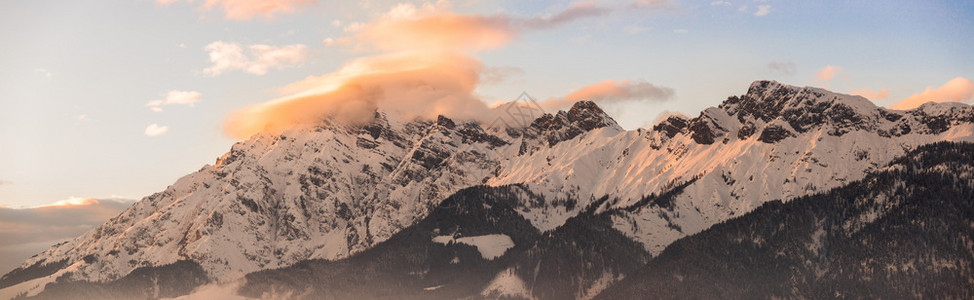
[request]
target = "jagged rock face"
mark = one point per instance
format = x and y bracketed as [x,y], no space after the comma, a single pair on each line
[583,117]
[273,200]
[333,190]
[808,109]
[775,142]
[671,126]
[774,133]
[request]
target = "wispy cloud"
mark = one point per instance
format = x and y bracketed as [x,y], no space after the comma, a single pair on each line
[44,72]
[156,130]
[495,75]
[763,10]
[253,59]
[634,29]
[828,73]
[720,3]
[782,67]
[662,116]
[882,94]
[612,91]
[174,97]
[28,231]
[959,89]
[680,31]
[248,9]
[649,3]
[576,11]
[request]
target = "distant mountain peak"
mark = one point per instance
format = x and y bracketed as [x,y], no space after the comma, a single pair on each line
[589,116]
[584,116]
[772,111]
[767,100]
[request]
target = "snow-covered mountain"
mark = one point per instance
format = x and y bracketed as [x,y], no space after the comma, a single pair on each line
[332,190]
[904,231]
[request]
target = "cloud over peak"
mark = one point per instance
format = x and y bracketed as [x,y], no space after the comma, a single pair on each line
[410,84]
[959,89]
[425,68]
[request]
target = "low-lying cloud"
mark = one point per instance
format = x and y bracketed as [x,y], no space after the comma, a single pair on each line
[612,91]
[959,89]
[253,59]
[28,231]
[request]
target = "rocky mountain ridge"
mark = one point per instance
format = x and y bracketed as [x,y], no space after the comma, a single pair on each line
[334,190]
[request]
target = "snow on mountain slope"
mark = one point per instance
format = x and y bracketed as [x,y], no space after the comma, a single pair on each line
[775,142]
[277,199]
[332,190]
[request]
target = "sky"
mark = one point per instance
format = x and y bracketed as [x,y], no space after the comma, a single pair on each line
[28,231]
[117,99]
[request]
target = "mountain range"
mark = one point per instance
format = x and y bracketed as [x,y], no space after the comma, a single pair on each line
[769,194]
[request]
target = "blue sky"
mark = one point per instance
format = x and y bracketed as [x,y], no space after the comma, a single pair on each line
[76,76]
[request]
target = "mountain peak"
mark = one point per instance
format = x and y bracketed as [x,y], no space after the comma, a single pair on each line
[586,105]
[443,121]
[759,87]
[589,115]
[584,116]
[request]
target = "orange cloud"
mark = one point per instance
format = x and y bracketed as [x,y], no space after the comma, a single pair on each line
[407,84]
[575,11]
[828,73]
[434,27]
[426,70]
[611,91]
[872,95]
[248,9]
[959,89]
[407,28]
